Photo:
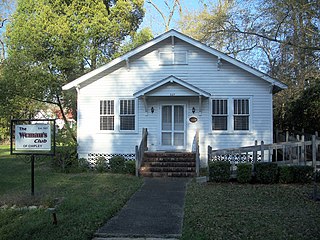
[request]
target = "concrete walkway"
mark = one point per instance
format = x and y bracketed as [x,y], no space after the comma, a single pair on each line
[155,211]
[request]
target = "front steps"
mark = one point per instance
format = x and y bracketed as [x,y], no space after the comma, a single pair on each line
[168,164]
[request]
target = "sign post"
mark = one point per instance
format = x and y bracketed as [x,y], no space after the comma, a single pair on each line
[33,137]
[32,175]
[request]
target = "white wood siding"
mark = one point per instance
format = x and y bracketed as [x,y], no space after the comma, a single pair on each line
[202,72]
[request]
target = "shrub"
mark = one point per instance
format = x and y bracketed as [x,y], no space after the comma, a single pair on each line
[219,171]
[101,164]
[66,158]
[317,176]
[285,174]
[117,164]
[83,164]
[244,172]
[266,172]
[130,167]
[302,174]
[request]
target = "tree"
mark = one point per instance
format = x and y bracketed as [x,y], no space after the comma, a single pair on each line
[166,13]
[52,42]
[138,38]
[279,37]
[6,7]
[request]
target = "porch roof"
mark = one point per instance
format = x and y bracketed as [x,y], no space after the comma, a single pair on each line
[188,89]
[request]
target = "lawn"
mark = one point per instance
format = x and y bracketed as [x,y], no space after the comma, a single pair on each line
[85,200]
[235,211]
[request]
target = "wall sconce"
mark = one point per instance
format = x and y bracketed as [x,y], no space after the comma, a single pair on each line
[152,110]
[193,110]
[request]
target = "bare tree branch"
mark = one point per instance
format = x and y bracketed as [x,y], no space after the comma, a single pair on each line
[171,10]
[160,12]
[3,21]
[313,48]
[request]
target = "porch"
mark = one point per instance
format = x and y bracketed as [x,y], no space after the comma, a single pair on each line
[164,163]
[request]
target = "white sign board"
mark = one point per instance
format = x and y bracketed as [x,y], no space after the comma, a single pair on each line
[36,137]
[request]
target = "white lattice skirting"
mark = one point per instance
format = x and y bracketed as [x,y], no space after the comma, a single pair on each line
[235,158]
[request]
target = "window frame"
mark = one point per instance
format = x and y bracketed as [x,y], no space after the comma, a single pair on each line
[116,128]
[231,111]
[234,114]
[127,115]
[219,114]
[107,114]
[173,61]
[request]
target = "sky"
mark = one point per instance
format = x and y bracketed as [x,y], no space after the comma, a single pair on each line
[154,21]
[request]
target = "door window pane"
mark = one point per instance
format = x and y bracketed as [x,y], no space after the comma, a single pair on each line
[178,118]
[166,138]
[167,118]
[178,139]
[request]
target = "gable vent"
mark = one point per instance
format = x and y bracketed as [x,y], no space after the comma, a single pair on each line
[173,58]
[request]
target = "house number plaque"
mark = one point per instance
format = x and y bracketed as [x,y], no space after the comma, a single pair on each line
[193,119]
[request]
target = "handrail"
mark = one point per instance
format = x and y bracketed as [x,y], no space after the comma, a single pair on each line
[197,152]
[141,149]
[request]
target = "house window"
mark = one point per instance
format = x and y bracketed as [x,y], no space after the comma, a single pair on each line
[219,114]
[241,114]
[127,114]
[173,58]
[107,115]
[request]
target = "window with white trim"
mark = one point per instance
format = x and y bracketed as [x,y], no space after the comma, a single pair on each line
[127,114]
[241,114]
[220,114]
[173,58]
[107,115]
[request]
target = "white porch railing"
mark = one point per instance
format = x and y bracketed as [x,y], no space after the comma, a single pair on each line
[289,153]
[141,149]
[197,152]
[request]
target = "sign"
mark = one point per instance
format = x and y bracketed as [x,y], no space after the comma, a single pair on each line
[35,137]
[193,119]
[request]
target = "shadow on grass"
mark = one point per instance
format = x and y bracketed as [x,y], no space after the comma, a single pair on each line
[86,200]
[235,211]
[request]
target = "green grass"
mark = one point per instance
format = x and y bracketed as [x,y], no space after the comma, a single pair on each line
[86,200]
[4,151]
[235,211]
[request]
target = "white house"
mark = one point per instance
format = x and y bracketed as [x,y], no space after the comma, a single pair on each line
[173,85]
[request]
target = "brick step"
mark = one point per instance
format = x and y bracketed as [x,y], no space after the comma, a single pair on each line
[167,169]
[168,174]
[169,154]
[169,164]
[168,159]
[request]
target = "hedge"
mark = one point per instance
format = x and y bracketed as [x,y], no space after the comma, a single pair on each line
[266,172]
[130,167]
[219,171]
[302,174]
[117,164]
[244,172]
[285,174]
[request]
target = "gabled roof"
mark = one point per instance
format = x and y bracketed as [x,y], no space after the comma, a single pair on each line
[101,71]
[171,79]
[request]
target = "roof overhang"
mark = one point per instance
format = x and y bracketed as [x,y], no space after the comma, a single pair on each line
[109,67]
[187,88]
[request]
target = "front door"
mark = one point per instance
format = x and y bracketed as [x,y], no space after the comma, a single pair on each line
[173,126]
